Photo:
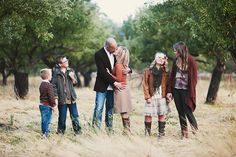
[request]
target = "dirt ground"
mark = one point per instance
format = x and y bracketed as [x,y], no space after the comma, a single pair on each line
[20,128]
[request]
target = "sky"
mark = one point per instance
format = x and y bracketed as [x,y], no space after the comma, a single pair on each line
[119,10]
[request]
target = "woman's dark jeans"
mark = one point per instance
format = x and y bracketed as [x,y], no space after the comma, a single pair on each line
[183,109]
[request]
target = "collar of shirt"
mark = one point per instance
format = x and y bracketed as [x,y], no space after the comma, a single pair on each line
[45,81]
[111,58]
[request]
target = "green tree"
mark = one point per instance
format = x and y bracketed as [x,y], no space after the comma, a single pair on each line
[24,27]
[207,27]
[214,23]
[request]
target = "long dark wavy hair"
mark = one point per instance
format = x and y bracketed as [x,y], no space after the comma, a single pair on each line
[181,48]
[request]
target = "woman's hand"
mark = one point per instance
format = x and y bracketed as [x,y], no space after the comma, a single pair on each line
[126,71]
[169,97]
[148,101]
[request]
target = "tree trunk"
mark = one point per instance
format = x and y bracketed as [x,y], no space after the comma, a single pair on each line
[233,53]
[4,79]
[215,81]
[78,79]
[87,79]
[3,72]
[5,75]
[21,84]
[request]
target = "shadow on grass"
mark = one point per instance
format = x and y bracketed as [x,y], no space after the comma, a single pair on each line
[7,127]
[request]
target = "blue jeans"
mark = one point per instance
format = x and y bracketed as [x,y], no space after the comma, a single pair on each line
[99,104]
[73,115]
[46,117]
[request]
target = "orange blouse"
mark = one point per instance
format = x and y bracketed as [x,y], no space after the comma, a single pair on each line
[118,73]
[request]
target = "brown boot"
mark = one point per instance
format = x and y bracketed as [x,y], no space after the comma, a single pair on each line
[126,125]
[161,129]
[184,132]
[148,126]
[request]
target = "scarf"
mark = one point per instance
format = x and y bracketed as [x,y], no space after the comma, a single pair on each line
[157,77]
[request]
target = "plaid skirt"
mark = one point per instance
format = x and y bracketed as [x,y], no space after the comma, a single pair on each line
[158,106]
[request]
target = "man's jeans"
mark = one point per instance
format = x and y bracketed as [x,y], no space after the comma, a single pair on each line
[99,104]
[73,115]
[46,117]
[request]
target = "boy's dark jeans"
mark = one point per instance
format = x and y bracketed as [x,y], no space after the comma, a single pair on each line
[73,115]
[183,109]
[46,117]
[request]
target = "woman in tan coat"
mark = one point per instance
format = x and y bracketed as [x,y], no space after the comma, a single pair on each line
[122,98]
[155,90]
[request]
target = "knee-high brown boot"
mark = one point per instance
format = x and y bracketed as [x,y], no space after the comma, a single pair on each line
[161,128]
[126,125]
[148,126]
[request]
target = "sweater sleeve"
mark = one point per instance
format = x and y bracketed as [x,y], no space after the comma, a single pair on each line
[171,77]
[192,77]
[194,72]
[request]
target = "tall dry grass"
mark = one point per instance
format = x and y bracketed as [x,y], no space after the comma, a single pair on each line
[20,128]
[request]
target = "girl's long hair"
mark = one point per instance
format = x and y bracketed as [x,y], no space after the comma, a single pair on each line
[182,60]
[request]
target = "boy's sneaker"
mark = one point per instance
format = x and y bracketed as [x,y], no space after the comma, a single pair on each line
[44,136]
[61,132]
[78,132]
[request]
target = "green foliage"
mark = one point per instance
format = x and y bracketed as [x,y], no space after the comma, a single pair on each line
[207,27]
[25,27]
[19,16]
[32,31]
[215,21]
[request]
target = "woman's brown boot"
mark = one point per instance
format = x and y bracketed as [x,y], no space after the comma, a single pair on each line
[126,125]
[184,132]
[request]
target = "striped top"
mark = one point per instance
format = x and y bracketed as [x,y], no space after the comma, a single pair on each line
[181,79]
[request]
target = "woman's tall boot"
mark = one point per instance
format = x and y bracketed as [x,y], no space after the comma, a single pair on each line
[126,125]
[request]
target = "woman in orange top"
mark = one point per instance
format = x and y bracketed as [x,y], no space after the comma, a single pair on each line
[122,98]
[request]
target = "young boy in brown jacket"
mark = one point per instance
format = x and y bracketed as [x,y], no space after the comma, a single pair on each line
[47,100]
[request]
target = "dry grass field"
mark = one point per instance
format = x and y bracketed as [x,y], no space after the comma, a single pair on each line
[20,128]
